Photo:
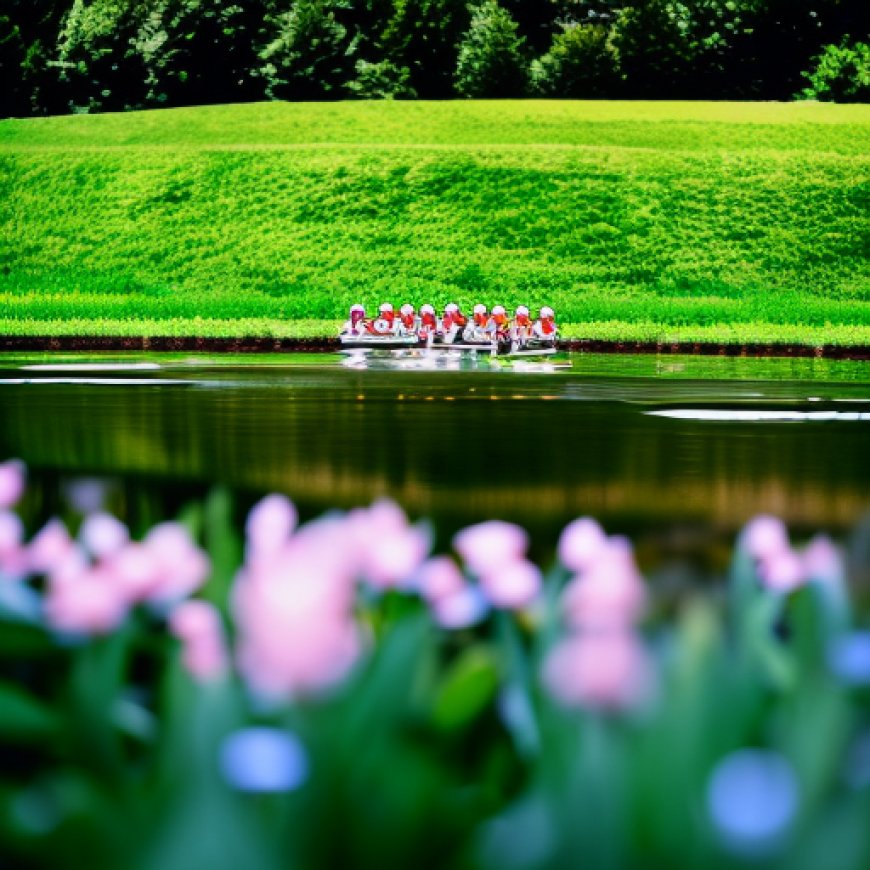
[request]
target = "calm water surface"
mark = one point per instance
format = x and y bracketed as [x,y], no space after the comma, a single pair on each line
[639,441]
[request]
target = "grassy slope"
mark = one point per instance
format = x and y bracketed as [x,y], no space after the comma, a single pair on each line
[734,222]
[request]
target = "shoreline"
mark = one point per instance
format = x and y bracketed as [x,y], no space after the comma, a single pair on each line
[93,344]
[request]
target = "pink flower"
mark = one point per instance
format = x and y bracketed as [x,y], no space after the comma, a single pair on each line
[581,541]
[764,536]
[181,567]
[12,479]
[197,624]
[390,550]
[90,603]
[513,585]
[599,671]
[51,544]
[270,523]
[822,560]
[486,546]
[135,570]
[461,608]
[782,571]
[103,535]
[611,594]
[438,578]
[294,615]
[13,558]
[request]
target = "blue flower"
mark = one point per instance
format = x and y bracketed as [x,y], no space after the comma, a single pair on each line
[263,760]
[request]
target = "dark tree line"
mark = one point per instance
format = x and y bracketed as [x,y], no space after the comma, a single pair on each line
[101,55]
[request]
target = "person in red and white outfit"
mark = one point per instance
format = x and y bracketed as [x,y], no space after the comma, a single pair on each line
[521,328]
[428,323]
[453,322]
[475,330]
[544,328]
[385,324]
[497,326]
[408,321]
[355,325]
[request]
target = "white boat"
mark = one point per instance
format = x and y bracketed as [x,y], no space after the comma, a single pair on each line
[379,342]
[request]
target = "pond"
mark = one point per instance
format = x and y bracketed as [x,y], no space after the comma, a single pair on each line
[662,445]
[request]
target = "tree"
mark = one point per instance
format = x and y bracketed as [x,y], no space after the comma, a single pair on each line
[491,62]
[13,97]
[423,36]
[840,74]
[580,63]
[310,56]
[201,51]
[381,81]
[651,42]
[98,68]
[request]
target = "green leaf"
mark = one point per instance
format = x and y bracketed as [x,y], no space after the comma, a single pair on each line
[468,687]
[23,717]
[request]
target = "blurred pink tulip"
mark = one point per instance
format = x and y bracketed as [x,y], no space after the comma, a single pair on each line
[294,615]
[270,523]
[135,570]
[438,578]
[181,567]
[822,560]
[599,671]
[13,557]
[387,549]
[70,568]
[512,585]
[197,624]
[610,594]
[392,562]
[12,482]
[51,544]
[485,546]
[764,536]
[103,535]
[461,608]
[580,543]
[782,571]
[91,603]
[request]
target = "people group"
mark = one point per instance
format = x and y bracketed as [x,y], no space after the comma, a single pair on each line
[452,326]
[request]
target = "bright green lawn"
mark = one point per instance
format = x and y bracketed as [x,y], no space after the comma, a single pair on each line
[703,221]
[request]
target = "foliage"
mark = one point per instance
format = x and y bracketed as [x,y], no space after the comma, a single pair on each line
[97,69]
[423,36]
[310,57]
[195,49]
[384,81]
[697,219]
[96,55]
[841,74]
[579,64]
[654,56]
[490,62]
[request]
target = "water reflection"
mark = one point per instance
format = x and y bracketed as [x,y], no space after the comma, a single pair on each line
[632,447]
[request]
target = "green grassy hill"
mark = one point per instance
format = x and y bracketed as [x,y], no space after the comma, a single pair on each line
[701,221]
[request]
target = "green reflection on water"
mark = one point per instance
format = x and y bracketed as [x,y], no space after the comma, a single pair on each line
[538,447]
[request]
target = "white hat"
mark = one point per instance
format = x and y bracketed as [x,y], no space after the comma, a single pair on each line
[386,308]
[546,311]
[427,309]
[479,309]
[522,311]
[498,309]
[357,307]
[450,307]
[407,308]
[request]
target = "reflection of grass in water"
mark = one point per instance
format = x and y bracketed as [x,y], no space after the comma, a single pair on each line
[708,222]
